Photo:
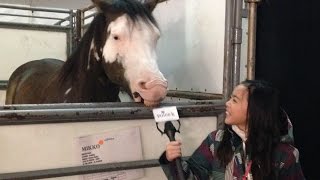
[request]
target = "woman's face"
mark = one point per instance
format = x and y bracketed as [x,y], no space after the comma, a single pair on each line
[236,107]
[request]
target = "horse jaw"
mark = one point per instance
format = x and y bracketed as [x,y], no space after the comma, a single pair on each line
[133,45]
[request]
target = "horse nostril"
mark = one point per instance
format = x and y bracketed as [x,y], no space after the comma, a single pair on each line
[142,85]
[135,95]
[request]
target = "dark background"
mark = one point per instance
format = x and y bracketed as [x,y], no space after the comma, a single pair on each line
[288,55]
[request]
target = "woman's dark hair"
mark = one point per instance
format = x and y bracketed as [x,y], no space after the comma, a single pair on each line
[264,122]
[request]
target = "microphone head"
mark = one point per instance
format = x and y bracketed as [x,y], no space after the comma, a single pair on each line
[168,126]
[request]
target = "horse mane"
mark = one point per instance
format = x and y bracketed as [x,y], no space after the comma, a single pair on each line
[77,62]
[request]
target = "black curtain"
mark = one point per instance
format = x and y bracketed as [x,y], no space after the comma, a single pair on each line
[288,55]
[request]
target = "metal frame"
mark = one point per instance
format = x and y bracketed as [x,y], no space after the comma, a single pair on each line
[3,85]
[228,51]
[233,40]
[252,23]
[79,170]
[90,112]
[68,29]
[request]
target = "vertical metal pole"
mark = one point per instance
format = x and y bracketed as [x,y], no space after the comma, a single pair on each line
[79,25]
[70,44]
[237,40]
[252,26]
[228,50]
[220,120]
[82,23]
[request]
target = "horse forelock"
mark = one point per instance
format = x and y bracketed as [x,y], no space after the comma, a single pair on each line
[134,9]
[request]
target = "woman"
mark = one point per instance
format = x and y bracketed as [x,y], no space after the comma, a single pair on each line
[254,144]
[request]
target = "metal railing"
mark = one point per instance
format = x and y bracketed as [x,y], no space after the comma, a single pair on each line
[79,170]
[94,112]
[91,112]
[68,28]
[35,9]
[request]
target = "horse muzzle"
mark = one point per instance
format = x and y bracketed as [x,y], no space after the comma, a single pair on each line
[151,93]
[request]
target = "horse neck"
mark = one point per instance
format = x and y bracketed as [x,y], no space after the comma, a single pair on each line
[91,85]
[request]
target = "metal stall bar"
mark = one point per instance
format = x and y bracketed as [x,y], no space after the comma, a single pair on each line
[85,112]
[233,40]
[251,51]
[34,26]
[237,40]
[41,27]
[71,43]
[81,113]
[39,17]
[34,8]
[61,21]
[194,95]
[228,72]
[171,93]
[228,50]
[84,17]
[78,26]
[69,18]
[70,106]
[79,170]
[68,29]
[102,105]
[89,16]
[3,85]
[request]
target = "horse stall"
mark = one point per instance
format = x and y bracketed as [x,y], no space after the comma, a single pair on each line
[199,54]
[28,34]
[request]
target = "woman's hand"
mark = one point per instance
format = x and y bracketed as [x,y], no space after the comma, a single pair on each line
[173,150]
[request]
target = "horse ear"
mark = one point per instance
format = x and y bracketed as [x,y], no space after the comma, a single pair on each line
[102,5]
[151,4]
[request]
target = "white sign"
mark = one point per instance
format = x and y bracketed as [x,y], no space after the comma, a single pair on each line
[165,114]
[108,147]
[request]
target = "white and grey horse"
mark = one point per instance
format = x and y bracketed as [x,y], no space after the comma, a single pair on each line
[117,50]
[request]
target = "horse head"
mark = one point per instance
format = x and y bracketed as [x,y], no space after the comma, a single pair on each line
[127,49]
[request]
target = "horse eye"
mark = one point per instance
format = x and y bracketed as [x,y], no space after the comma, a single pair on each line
[115,37]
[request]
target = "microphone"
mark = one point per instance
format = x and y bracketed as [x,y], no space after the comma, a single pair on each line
[167,114]
[170,131]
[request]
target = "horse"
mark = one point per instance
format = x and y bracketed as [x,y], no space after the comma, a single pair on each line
[118,51]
